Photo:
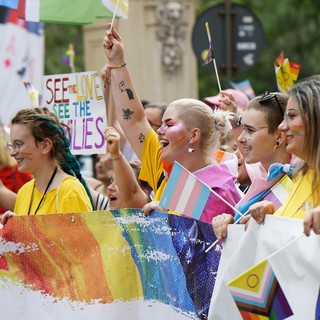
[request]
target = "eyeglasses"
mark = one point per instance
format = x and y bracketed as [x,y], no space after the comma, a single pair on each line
[251,130]
[17,144]
[266,96]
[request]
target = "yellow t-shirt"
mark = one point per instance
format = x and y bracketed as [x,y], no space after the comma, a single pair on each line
[70,196]
[300,198]
[152,165]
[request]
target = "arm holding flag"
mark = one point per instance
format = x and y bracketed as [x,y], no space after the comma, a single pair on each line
[220,225]
[128,107]
[259,210]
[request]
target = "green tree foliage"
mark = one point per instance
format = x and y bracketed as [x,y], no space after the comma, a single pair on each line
[289,25]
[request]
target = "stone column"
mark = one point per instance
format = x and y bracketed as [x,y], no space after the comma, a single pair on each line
[157,38]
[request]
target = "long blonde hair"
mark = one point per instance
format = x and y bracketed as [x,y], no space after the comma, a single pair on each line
[306,94]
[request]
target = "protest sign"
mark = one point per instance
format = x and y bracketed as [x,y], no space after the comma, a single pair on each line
[77,99]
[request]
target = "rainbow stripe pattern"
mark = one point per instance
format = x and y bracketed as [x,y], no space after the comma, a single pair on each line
[258,294]
[104,257]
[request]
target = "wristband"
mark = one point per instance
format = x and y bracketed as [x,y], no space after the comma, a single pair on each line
[118,158]
[107,76]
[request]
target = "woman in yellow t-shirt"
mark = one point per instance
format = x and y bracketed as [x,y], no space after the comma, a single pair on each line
[301,127]
[40,146]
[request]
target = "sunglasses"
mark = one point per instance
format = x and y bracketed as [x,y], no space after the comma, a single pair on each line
[266,96]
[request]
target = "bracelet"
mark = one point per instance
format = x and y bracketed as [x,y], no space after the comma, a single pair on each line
[107,76]
[117,67]
[118,158]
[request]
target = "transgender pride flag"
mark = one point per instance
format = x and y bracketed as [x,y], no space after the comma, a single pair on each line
[184,193]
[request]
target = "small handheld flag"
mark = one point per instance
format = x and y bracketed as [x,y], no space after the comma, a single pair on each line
[33,94]
[210,56]
[120,8]
[186,194]
[286,72]
[245,87]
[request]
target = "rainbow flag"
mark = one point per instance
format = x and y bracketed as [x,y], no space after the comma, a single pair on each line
[185,193]
[286,72]
[258,294]
[118,263]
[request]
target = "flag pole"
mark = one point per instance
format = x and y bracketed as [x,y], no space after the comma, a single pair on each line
[213,58]
[215,242]
[114,14]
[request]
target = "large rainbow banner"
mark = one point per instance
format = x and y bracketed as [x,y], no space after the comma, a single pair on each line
[106,265]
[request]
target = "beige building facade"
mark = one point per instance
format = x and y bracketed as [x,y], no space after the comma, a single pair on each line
[157,38]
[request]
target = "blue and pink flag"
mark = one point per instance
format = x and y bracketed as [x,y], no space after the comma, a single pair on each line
[278,194]
[185,193]
[245,87]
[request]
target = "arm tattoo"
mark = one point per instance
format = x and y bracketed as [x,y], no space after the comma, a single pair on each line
[127,113]
[141,138]
[123,88]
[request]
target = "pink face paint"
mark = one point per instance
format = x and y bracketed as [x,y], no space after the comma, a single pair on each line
[179,135]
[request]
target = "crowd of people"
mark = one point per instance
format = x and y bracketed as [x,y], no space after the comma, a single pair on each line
[270,136]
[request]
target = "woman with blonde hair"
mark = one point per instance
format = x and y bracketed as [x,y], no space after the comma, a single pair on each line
[190,134]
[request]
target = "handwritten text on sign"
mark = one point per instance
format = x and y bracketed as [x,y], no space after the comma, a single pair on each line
[77,99]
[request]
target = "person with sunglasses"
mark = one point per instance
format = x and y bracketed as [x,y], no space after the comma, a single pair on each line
[40,146]
[190,134]
[301,128]
[262,145]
